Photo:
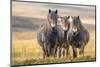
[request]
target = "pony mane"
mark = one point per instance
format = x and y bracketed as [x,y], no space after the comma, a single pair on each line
[80,26]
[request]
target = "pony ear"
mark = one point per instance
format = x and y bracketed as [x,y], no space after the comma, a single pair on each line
[56,11]
[68,17]
[78,17]
[49,11]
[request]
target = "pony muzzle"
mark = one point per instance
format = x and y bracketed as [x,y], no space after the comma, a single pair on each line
[65,28]
[74,30]
[53,25]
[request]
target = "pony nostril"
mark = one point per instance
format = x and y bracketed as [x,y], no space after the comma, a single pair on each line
[53,28]
[74,33]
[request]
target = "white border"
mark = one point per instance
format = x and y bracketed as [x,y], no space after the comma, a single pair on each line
[5,33]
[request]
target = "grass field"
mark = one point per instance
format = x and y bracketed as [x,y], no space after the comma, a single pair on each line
[25,50]
[26,19]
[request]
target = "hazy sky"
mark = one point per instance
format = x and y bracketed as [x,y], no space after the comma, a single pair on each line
[68,9]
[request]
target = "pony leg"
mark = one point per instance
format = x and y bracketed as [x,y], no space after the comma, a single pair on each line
[81,52]
[59,52]
[45,50]
[48,50]
[74,52]
[44,53]
[68,55]
[64,52]
[67,50]
[55,51]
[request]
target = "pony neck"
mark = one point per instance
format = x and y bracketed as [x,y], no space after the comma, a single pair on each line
[81,27]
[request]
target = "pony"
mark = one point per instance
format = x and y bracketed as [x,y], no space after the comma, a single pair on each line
[78,36]
[47,34]
[64,28]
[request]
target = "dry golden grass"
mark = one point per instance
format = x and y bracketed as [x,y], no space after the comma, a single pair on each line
[25,47]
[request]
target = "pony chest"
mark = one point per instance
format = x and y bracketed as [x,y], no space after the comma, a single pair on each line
[52,36]
[77,40]
[65,36]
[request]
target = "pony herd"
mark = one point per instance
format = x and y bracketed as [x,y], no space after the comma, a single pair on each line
[59,33]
